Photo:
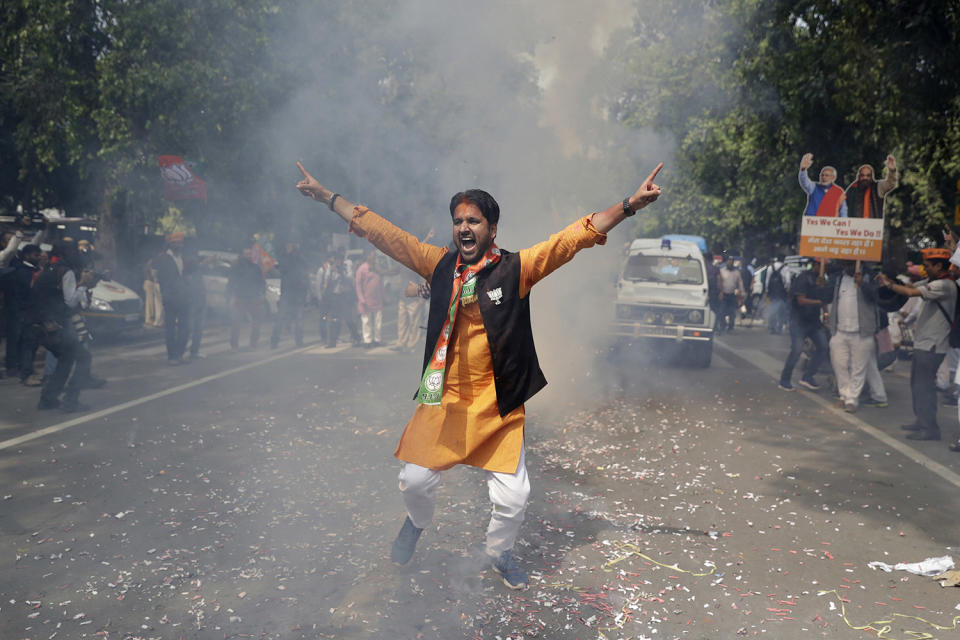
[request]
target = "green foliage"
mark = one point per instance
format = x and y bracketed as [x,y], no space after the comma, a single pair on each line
[94,91]
[174,221]
[747,87]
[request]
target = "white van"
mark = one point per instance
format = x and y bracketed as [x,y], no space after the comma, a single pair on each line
[663,298]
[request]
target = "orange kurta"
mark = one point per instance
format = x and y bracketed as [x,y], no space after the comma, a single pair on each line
[467,427]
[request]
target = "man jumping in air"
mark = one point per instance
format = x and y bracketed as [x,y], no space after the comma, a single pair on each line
[480,365]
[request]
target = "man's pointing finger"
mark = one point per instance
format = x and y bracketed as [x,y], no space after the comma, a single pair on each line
[303,171]
[654,174]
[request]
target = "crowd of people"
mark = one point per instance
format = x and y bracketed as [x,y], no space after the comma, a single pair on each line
[44,293]
[45,289]
[854,320]
[348,297]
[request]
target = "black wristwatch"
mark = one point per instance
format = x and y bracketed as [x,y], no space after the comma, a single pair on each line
[627,209]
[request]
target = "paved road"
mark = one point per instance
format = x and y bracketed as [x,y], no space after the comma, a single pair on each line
[253,495]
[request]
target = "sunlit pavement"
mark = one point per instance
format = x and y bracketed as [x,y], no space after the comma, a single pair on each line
[254,494]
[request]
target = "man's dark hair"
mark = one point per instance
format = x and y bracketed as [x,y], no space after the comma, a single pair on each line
[29,248]
[481,200]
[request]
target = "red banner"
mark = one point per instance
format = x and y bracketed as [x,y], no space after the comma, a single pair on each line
[262,258]
[179,182]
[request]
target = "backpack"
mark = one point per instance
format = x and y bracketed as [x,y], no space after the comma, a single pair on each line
[954,335]
[775,287]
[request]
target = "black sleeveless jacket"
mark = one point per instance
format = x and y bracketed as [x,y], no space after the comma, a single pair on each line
[46,297]
[506,319]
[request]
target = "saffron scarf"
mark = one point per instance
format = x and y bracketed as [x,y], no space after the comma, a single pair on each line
[464,292]
[863,200]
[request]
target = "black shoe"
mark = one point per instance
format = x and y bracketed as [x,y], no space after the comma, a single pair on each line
[73,406]
[94,382]
[924,435]
[913,426]
[406,543]
[46,403]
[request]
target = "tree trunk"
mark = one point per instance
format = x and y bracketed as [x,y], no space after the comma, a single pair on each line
[108,228]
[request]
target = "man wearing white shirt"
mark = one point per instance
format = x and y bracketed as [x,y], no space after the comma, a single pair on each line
[854,323]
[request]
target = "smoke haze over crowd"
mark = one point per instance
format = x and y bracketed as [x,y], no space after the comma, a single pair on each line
[507,97]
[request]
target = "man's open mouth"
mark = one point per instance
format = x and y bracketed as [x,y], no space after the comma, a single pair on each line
[468,243]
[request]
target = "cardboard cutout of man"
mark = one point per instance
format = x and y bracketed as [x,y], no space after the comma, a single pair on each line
[824,198]
[866,195]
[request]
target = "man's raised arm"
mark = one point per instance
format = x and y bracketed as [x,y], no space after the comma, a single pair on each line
[648,192]
[405,248]
[805,182]
[312,188]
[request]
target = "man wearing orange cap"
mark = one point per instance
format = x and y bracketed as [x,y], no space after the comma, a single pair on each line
[173,287]
[931,338]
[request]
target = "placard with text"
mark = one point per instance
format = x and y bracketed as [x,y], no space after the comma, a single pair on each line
[842,238]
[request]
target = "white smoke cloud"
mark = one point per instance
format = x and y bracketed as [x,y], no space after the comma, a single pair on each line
[505,96]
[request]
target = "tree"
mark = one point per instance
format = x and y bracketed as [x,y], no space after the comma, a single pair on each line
[746,87]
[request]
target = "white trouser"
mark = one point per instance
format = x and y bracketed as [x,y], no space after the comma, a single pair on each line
[849,355]
[370,324]
[896,333]
[949,365]
[509,493]
[153,304]
[409,315]
[878,392]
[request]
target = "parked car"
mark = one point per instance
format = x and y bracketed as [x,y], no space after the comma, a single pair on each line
[216,272]
[113,308]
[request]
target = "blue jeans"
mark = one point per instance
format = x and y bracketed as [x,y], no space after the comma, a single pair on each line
[799,332]
[777,314]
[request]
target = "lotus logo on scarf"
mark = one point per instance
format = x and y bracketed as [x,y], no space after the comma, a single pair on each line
[434,381]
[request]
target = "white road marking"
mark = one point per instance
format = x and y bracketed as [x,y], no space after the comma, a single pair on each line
[773,367]
[719,362]
[27,437]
